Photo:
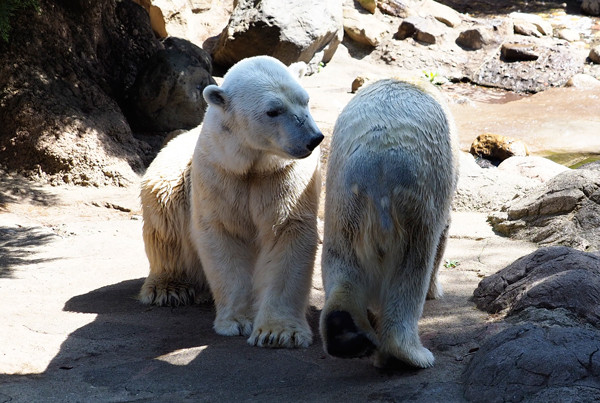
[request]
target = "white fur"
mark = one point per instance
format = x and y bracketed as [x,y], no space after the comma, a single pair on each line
[391,175]
[248,206]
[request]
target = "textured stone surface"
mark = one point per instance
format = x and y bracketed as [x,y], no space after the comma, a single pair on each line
[363,29]
[530,362]
[167,93]
[63,79]
[562,211]
[552,278]
[306,31]
[541,65]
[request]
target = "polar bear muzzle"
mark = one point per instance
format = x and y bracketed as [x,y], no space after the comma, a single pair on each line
[299,135]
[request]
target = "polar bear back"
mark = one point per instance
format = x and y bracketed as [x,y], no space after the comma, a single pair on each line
[392,163]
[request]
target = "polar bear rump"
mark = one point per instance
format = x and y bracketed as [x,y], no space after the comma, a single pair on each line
[391,176]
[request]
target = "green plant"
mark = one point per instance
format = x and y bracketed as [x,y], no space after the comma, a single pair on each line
[431,76]
[450,264]
[7,12]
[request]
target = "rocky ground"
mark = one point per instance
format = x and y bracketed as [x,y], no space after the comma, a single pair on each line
[72,260]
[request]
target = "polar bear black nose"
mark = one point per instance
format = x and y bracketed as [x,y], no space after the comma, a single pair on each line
[315,141]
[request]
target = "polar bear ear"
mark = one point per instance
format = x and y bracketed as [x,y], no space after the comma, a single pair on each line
[215,96]
[298,69]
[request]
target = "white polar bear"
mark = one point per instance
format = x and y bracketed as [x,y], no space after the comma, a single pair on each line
[391,176]
[232,207]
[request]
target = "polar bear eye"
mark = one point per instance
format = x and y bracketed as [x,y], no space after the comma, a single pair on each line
[274,113]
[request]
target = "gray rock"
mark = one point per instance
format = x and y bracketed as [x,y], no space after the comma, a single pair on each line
[568,35]
[427,30]
[541,25]
[440,12]
[563,211]
[554,66]
[527,361]
[592,166]
[487,190]
[555,277]
[291,31]
[526,28]
[167,93]
[534,167]
[583,81]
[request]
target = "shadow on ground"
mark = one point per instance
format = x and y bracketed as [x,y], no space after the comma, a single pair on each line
[18,245]
[134,352]
[14,189]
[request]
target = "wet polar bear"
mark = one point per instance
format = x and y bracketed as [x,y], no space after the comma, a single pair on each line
[231,207]
[391,176]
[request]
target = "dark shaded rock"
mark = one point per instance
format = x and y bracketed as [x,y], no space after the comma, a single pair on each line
[289,31]
[590,7]
[594,55]
[63,79]
[187,47]
[474,38]
[167,94]
[518,52]
[551,278]
[407,28]
[562,211]
[527,361]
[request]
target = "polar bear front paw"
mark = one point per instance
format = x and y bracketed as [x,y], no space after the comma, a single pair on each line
[168,293]
[239,326]
[281,334]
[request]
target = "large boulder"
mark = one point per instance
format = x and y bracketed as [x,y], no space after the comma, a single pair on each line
[307,31]
[529,65]
[537,363]
[363,28]
[562,211]
[488,189]
[195,20]
[547,346]
[63,79]
[167,93]
[551,278]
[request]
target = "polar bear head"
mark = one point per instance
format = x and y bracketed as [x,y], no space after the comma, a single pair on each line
[262,102]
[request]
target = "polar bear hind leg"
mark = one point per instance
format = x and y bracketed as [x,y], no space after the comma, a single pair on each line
[176,276]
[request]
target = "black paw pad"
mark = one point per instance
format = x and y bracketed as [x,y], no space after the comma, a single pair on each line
[344,339]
